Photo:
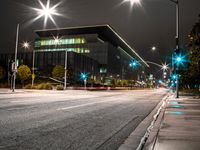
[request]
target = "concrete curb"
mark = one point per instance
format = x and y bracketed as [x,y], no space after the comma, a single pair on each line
[135,139]
[150,143]
[10,92]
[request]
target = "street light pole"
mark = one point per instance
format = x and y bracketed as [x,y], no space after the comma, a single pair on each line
[27,45]
[177,51]
[45,12]
[65,82]
[15,63]
[177,46]
[177,39]
[33,68]
[85,84]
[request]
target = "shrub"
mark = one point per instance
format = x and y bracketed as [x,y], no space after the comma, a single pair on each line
[59,87]
[28,86]
[58,72]
[24,73]
[45,86]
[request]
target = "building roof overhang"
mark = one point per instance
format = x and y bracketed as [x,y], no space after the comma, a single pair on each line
[105,32]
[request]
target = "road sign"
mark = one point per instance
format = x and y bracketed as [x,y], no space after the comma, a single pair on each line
[33,76]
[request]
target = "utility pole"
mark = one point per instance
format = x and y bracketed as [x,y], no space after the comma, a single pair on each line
[65,81]
[15,63]
[177,51]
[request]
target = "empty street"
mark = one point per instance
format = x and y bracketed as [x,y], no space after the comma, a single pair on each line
[72,119]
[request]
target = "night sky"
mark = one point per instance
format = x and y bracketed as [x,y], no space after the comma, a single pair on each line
[142,27]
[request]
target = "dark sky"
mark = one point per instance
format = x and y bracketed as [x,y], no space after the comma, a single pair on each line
[142,27]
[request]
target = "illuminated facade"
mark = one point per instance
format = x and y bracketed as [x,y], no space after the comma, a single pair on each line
[97,50]
[100,43]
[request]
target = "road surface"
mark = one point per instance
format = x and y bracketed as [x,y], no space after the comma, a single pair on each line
[74,120]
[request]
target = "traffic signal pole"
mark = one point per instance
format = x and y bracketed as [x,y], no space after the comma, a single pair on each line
[177,48]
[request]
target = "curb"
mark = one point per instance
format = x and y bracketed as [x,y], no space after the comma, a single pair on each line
[139,136]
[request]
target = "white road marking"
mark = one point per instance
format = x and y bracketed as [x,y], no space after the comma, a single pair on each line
[88,104]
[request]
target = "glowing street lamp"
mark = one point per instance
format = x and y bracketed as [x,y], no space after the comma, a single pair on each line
[27,45]
[153,48]
[46,12]
[57,42]
[165,67]
[177,34]
[133,2]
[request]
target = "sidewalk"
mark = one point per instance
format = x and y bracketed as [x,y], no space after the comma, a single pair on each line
[177,127]
[9,91]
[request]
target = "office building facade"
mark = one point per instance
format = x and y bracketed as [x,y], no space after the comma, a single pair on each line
[98,51]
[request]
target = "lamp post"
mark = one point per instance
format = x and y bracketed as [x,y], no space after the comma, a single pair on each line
[177,51]
[65,84]
[15,63]
[57,42]
[26,45]
[46,12]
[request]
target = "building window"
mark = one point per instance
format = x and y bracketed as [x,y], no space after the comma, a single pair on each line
[103,70]
[87,51]
[60,42]
[76,50]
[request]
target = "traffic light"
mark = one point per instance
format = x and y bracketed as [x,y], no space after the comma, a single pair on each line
[84,76]
[133,63]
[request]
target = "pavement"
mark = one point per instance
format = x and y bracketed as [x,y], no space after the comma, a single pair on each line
[176,128]
[72,120]
[8,91]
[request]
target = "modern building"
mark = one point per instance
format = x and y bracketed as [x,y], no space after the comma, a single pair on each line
[96,50]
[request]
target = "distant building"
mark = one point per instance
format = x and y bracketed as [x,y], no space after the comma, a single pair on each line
[97,50]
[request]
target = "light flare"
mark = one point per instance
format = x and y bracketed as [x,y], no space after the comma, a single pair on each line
[25,45]
[165,67]
[47,11]
[133,2]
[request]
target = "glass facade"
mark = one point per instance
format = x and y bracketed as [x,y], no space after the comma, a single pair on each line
[76,50]
[51,42]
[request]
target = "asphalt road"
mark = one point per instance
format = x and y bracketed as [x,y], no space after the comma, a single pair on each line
[74,120]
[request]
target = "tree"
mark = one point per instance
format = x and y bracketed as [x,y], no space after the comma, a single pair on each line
[191,77]
[24,73]
[194,57]
[2,73]
[58,72]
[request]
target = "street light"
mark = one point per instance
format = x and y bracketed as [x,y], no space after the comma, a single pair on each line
[165,67]
[177,51]
[46,12]
[133,2]
[65,84]
[27,45]
[57,41]
[153,48]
